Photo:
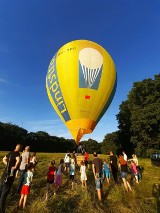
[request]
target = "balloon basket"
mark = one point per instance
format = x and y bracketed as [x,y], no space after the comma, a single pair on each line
[79,159]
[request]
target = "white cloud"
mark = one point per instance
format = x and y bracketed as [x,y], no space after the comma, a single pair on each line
[4,81]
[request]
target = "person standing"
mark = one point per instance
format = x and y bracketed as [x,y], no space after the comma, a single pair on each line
[97,171]
[50,178]
[86,159]
[72,171]
[58,178]
[67,160]
[83,174]
[135,159]
[124,172]
[114,166]
[134,170]
[106,171]
[11,160]
[28,176]
[23,166]
[33,159]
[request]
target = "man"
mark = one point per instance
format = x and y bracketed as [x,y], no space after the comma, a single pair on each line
[97,171]
[114,166]
[23,166]
[11,160]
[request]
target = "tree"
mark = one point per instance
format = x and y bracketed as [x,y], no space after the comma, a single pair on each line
[124,133]
[91,146]
[110,143]
[139,116]
[10,135]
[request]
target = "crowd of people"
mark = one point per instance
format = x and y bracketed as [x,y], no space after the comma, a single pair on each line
[23,167]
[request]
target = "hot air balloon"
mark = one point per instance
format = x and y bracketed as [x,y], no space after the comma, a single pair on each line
[81,83]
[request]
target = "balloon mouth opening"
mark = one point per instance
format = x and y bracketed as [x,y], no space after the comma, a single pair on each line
[80,127]
[82,132]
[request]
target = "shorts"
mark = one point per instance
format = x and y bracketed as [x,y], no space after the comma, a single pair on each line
[50,181]
[123,174]
[71,177]
[25,190]
[98,182]
[108,175]
[58,180]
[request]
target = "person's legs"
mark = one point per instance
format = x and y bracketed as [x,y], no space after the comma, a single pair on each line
[20,182]
[108,177]
[128,185]
[5,189]
[139,175]
[125,184]
[47,190]
[85,184]
[99,194]
[99,188]
[24,201]
[136,177]
[114,173]
[21,200]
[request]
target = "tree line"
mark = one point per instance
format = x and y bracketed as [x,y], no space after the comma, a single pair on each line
[138,127]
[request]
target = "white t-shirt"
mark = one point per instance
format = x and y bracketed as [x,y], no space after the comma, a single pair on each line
[59,172]
[125,157]
[67,159]
[28,178]
[25,157]
[33,160]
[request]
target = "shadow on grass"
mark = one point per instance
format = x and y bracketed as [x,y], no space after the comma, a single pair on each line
[156,194]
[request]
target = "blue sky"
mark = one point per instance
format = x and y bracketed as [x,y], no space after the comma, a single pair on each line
[31,32]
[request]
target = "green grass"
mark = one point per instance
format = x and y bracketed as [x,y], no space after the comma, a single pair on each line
[145,196]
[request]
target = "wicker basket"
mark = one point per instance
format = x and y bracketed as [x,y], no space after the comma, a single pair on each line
[79,159]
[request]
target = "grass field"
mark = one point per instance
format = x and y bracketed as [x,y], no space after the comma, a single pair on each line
[145,196]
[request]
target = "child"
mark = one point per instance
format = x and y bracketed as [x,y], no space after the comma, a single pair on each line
[72,171]
[50,177]
[58,179]
[33,159]
[83,174]
[26,186]
[134,170]
[106,171]
[67,161]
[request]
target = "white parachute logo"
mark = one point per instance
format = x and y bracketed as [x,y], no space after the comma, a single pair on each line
[91,62]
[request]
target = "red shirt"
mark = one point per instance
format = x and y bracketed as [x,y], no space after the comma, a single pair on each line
[86,156]
[51,173]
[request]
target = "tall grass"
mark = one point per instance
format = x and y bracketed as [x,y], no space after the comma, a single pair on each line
[144,197]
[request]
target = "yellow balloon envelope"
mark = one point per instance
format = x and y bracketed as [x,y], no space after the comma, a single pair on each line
[81,83]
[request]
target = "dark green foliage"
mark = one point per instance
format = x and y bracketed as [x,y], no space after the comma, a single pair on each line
[91,146]
[10,135]
[139,117]
[110,143]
